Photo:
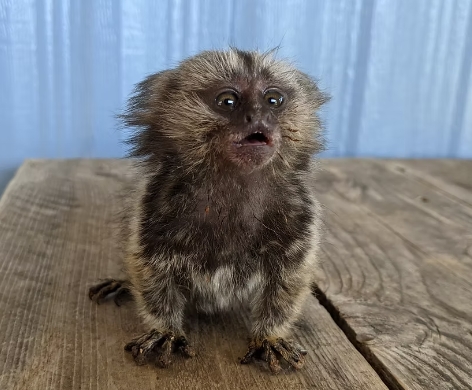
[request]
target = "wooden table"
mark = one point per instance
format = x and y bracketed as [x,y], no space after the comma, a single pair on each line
[393,307]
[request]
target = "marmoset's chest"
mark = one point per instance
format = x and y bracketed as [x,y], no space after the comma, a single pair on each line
[219,222]
[227,224]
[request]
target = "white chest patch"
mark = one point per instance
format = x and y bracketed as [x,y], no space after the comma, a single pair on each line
[219,290]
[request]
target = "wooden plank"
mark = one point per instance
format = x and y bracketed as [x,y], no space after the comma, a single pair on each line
[397,269]
[452,177]
[56,224]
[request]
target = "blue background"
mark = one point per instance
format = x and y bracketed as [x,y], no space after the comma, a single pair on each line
[399,71]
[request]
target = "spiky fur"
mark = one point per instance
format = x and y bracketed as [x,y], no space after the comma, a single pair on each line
[203,232]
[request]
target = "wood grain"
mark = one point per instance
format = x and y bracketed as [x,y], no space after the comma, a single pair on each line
[56,239]
[398,266]
[453,178]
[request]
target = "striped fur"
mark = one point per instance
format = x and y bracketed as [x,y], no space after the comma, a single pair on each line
[204,229]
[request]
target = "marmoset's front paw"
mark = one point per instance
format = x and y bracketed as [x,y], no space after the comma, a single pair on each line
[272,350]
[157,347]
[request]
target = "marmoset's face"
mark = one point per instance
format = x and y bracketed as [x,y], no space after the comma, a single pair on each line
[250,109]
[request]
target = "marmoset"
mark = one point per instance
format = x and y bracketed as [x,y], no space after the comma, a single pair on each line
[222,211]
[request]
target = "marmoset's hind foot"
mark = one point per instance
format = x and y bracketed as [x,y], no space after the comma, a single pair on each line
[272,351]
[158,347]
[118,288]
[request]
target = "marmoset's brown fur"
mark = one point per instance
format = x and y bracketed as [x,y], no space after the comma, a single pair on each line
[222,211]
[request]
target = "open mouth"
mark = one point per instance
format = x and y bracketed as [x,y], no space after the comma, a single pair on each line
[255,139]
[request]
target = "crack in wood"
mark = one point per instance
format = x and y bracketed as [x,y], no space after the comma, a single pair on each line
[382,371]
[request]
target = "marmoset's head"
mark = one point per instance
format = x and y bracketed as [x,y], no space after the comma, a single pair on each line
[234,110]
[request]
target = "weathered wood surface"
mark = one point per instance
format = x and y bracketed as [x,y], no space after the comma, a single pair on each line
[398,266]
[56,223]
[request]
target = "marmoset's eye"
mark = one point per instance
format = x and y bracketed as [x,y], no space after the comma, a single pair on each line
[273,98]
[227,100]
